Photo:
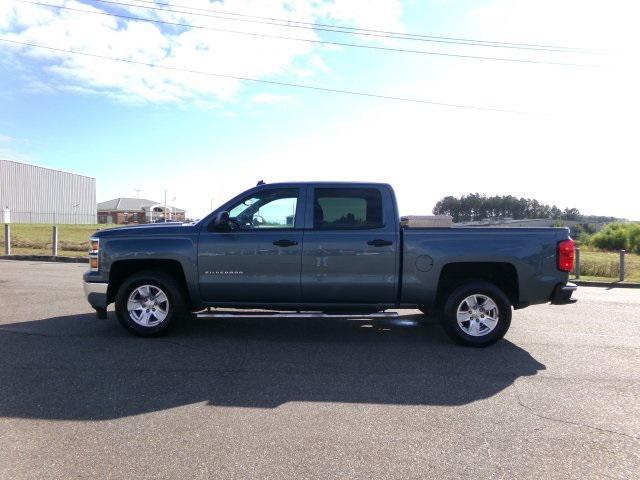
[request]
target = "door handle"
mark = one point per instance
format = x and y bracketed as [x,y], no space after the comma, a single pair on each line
[285,243]
[379,243]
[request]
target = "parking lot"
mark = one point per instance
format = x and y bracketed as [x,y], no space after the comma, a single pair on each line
[311,398]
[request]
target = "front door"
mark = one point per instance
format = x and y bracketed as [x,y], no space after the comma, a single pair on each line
[257,258]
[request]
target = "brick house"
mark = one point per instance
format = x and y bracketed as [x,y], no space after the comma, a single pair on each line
[137,210]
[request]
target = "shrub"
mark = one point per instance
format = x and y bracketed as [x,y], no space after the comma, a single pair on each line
[612,237]
[584,238]
[634,237]
[618,236]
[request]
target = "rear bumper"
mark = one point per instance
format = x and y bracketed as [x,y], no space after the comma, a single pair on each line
[96,293]
[562,293]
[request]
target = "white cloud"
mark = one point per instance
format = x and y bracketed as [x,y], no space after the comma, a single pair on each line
[8,149]
[179,47]
[582,153]
[370,14]
[270,99]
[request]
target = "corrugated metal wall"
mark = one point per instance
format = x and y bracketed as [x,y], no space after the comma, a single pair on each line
[42,195]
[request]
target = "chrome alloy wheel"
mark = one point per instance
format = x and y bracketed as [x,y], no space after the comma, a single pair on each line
[477,315]
[148,305]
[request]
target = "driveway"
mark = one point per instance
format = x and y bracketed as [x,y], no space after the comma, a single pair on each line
[309,398]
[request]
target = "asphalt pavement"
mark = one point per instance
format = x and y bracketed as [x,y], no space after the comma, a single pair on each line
[244,398]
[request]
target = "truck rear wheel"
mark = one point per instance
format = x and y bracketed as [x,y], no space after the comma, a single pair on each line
[477,314]
[148,303]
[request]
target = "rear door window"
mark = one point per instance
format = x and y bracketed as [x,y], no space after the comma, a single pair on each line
[347,208]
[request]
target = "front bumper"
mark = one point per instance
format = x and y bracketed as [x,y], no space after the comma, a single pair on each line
[562,293]
[96,293]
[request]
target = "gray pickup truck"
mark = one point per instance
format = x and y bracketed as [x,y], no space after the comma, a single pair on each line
[329,248]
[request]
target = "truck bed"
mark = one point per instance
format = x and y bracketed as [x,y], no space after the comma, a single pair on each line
[529,253]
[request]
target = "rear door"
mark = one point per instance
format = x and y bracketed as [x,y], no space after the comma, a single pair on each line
[350,250]
[258,258]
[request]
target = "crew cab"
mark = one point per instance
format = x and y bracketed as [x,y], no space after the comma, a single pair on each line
[326,247]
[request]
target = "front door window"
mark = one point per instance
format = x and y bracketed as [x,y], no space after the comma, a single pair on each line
[267,209]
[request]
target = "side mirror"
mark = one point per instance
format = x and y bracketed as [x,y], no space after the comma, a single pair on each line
[221,220]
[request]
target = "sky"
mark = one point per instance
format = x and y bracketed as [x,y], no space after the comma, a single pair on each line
[568,134]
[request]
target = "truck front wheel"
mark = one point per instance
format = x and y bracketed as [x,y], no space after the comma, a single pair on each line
[477,314]
[148,303]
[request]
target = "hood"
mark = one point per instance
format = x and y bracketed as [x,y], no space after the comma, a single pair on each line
[146,229]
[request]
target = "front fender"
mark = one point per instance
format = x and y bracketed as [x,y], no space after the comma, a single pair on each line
[182,249]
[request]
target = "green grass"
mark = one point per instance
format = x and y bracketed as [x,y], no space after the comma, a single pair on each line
[605,266]
[35,239]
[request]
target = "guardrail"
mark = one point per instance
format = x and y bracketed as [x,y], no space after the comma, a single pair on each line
[577,270]
[7,239]
[51,248]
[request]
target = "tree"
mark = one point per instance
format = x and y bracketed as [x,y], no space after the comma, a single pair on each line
[474,207]
[448,206]
[570,214]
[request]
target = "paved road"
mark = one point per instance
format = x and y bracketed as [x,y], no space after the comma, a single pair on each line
[79,397]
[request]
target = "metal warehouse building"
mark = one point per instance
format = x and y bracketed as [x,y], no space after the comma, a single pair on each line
[32,194]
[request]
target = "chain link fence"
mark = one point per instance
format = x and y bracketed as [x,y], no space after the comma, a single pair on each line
[70,240]
[48,218]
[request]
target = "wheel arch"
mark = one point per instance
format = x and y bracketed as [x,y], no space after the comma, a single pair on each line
[502,274]
[123,269]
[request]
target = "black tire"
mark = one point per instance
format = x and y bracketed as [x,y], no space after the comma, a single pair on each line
[175,307]
[455,299]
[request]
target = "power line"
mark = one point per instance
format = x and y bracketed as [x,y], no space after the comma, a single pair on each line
[159,6]
[271,82]
[324,42]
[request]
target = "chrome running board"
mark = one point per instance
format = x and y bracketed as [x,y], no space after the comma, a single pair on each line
[227,314]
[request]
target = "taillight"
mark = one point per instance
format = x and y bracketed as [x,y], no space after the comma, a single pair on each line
[93,253]
[566,255]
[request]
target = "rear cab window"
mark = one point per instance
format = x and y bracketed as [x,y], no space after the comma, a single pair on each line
[347,209]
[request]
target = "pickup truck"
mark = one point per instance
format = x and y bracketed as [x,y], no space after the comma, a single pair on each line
[326,247]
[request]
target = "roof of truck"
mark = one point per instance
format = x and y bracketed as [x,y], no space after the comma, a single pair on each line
[324,182]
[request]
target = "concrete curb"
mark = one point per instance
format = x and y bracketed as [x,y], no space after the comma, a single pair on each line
[587,283]
[45,258]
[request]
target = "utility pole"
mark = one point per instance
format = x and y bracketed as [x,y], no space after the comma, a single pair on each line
[165,205]
[137,190]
